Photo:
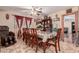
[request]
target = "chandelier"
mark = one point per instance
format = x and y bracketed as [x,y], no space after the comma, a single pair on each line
[32,10]
[36,11]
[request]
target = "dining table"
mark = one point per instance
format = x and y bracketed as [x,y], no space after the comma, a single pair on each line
[45,35]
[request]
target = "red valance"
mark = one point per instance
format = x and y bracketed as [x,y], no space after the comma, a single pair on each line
[19,17]
[28,19]
[21,20]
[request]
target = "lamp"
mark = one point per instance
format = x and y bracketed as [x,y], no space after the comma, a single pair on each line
[56,18]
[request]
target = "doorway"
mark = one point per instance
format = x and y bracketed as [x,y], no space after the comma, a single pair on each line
[69,26]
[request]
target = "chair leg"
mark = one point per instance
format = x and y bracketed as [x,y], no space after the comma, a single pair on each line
[29,43]
[32,45]
[36,48]
[44,49]
[23,39]
[56,48]
[26,41]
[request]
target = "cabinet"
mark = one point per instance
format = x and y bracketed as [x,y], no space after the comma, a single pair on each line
[6,38]
[45,25]
[4,31]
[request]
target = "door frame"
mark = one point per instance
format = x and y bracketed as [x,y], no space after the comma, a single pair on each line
[76,23]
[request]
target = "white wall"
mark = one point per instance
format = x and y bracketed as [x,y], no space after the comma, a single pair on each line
[4,21]
[11,22]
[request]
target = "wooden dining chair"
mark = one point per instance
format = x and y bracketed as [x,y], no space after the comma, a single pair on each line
[26,35]
[27,38]
[33,37]
[54,40]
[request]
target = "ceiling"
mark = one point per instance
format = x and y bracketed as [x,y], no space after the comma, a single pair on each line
[27,9]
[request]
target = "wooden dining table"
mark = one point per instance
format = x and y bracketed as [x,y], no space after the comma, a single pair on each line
[45,35]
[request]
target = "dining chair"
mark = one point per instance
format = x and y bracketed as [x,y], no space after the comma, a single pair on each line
[33,37]
[26,35]
[54,40]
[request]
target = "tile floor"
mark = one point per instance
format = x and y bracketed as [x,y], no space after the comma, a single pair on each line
[21,47]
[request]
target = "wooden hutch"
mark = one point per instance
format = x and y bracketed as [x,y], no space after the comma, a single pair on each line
[46,24]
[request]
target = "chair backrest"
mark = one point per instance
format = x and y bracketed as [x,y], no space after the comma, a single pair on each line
[27,31]
[24,31]
[34,34]
[58,34]
[33,31]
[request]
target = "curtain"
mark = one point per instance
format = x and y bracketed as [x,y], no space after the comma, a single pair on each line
[28,19]
[19,20]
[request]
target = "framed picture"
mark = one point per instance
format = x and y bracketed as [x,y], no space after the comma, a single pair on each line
[7,16]
[69,11]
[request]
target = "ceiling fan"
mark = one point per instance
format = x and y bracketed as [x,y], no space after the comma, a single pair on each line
[34,10]
[37,10]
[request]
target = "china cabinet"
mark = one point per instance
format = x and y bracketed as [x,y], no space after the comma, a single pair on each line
[45,24]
